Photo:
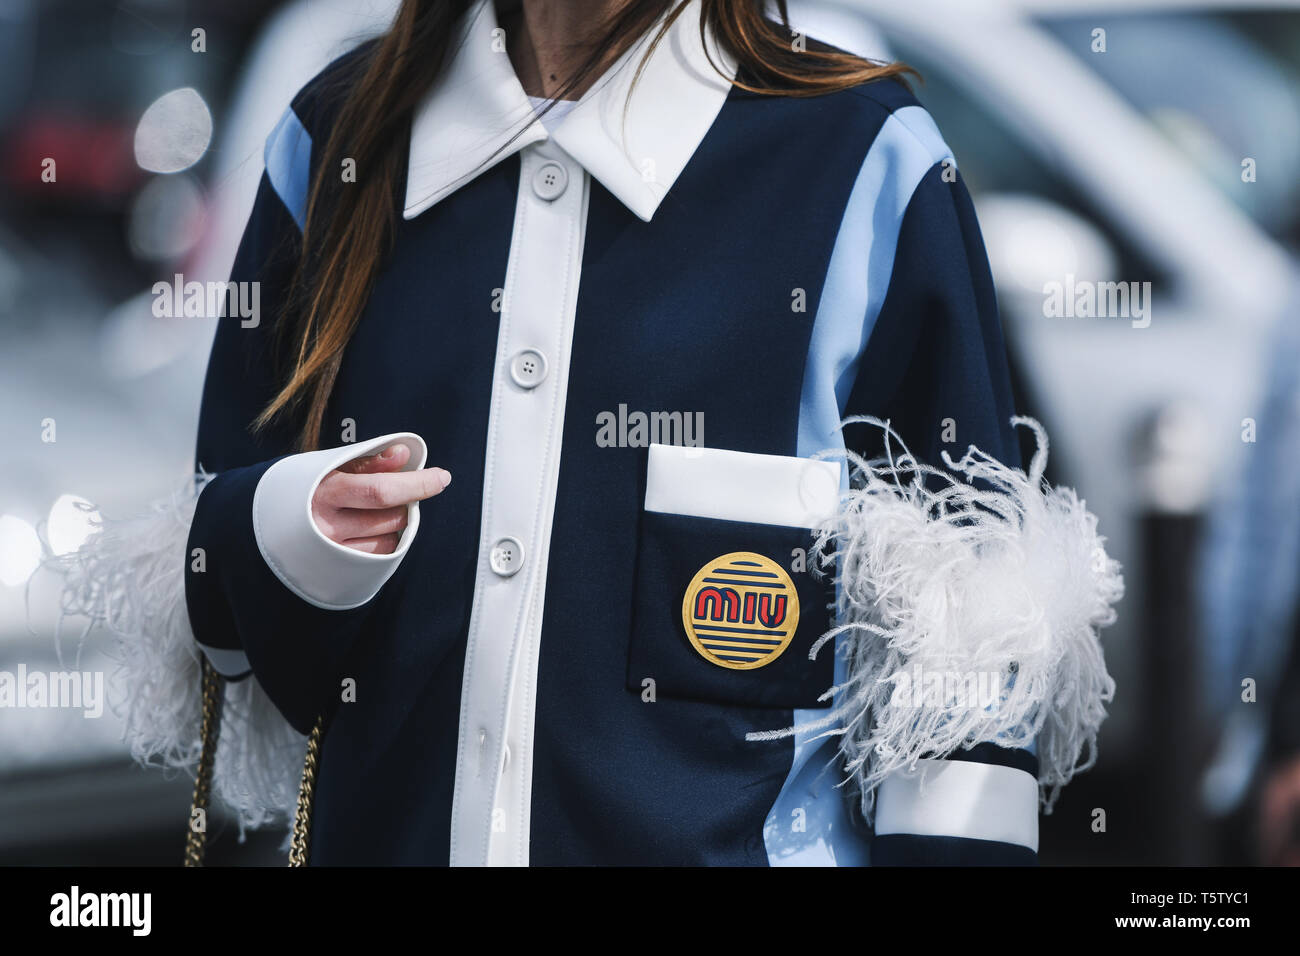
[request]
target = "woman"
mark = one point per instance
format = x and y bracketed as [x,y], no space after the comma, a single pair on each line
[622,269]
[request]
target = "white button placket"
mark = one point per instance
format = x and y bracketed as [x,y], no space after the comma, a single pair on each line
[491,804]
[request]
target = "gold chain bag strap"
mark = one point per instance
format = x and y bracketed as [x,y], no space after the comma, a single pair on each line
[214,692]
[301,843]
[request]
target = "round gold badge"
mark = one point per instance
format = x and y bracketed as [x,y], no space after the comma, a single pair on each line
[741,611]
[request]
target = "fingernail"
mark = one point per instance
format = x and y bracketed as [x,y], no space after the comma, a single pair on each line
[391,450]
[444,476]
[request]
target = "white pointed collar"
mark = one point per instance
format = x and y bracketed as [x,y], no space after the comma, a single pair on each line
[464,125]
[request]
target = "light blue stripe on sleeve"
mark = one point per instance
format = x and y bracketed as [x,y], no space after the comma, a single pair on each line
[809,824]
[288,164]
[906,148]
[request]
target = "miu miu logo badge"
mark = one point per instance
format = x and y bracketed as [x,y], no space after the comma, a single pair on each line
[741,611]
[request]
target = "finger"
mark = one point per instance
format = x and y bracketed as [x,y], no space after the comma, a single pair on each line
[380,544]
[340,489]
[385,491]
[340,524]
[391,458]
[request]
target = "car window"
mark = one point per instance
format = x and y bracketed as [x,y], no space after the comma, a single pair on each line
[994,157]
[1224,88]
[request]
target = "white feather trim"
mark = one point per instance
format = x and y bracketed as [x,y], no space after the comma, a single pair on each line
[129,578]
[947,588]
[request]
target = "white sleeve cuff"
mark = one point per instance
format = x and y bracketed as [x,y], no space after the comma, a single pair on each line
[960,798]
[320,571]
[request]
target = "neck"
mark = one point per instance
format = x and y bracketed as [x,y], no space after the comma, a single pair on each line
[549,40]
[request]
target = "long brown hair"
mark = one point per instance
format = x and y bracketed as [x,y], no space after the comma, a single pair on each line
[349,227]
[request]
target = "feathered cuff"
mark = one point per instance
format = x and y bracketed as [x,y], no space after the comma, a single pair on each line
[969,602]
[129,579]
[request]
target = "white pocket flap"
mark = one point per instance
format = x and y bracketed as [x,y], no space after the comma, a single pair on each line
[741,486]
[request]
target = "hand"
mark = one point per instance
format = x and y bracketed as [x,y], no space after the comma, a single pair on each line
[362,505]
[1279,816]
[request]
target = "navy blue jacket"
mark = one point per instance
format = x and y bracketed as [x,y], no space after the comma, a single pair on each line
[813,258]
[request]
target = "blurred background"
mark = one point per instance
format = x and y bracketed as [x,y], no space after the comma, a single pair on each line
[1135,141]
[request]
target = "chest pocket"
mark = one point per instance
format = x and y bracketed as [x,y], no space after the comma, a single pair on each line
[726,606]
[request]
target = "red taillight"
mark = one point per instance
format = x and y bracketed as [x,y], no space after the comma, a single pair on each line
[92,159]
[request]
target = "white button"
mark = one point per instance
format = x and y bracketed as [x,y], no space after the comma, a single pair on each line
[528,368]
[507,556]
[549,181]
